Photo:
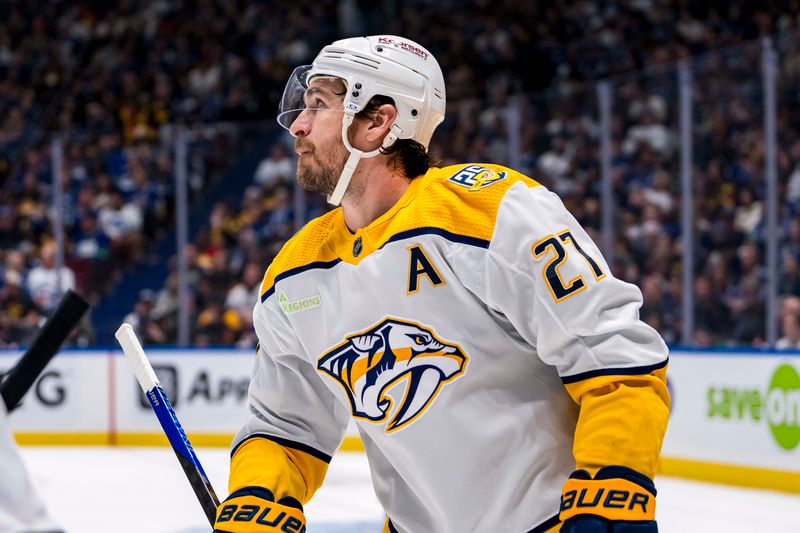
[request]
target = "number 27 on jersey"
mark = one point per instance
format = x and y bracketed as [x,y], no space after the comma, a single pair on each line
[554,246]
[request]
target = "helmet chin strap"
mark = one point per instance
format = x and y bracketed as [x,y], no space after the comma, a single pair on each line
[336,196]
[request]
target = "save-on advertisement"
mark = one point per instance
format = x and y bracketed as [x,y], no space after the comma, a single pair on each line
[742,409]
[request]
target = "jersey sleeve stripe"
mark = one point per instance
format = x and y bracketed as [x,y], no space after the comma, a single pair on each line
[298,270]
[305,448]
[453,237]
[627,371]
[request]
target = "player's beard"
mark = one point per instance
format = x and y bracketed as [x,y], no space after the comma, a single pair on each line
[322,173]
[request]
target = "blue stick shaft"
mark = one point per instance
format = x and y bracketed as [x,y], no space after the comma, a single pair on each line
[184,451]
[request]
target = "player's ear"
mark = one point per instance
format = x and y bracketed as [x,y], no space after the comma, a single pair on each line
[379,123]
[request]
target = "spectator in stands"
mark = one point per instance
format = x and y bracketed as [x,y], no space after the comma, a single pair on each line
[110,79]
[281,213]
[140,317]
[239,304]
[658,307]
[790,324]
[8,233]
[789,275]
[243,295]
[166,304]
[793,186]
[749,213]
[649,130]
[46,283]
[19,316]
[211,328]
[747,310]
[711,317]
[90,252]
[121,222]
[791,243]
[275,168]
[555,163]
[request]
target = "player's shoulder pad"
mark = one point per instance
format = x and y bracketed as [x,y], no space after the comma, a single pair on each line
[306,247]
[465,198]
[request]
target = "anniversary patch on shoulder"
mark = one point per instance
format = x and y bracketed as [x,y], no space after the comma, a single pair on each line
[476,177]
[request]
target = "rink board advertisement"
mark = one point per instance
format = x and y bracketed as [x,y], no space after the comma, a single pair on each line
[92,397]
[71,395]
[735,415]
[208,391]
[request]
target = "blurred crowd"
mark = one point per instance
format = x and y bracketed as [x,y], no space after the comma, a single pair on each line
[114,79]
[227,259]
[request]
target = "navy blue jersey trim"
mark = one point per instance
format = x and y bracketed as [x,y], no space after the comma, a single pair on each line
[631,371]
[259,492]
[391,526]
[454,237]
[299,270]
[547,524]
[287,444]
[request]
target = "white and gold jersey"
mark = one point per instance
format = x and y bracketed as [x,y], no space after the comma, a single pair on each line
[475,335]
[21,508]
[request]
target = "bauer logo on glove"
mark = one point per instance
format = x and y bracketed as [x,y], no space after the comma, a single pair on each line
[253,509]
[616,493]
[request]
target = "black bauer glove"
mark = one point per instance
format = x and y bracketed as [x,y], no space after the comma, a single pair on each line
[616,500]
[254,510]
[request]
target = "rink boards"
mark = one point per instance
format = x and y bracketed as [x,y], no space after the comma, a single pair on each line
[735,415]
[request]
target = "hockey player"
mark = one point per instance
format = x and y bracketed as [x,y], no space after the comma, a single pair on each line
[21,509]
[497,372]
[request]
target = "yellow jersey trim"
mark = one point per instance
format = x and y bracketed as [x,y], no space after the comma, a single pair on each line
[432,204]
[285,471]
[622,420]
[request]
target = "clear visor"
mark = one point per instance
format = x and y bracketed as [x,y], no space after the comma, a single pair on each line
[317,93]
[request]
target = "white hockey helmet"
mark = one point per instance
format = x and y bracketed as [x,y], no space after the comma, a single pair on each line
[369,66]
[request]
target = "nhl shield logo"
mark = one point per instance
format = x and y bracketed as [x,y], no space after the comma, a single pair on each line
[369,364]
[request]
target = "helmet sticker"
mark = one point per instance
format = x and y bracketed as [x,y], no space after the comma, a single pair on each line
[406,47]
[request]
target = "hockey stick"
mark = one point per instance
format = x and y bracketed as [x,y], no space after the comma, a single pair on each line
[169,421]
[70,310]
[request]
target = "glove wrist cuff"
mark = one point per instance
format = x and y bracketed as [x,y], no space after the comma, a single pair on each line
[612,499]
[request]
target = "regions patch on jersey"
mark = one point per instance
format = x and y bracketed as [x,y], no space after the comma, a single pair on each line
[303,304]
[369,364]
[476,177]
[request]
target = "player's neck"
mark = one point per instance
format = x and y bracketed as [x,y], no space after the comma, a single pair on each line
[374,189]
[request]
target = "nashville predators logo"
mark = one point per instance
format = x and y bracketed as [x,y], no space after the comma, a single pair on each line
[369,365]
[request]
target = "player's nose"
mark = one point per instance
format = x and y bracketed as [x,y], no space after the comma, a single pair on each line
[301,125]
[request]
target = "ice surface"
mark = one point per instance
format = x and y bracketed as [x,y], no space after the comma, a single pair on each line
[131,490]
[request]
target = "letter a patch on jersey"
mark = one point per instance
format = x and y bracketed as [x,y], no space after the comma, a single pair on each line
[419,265]
[370,364]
